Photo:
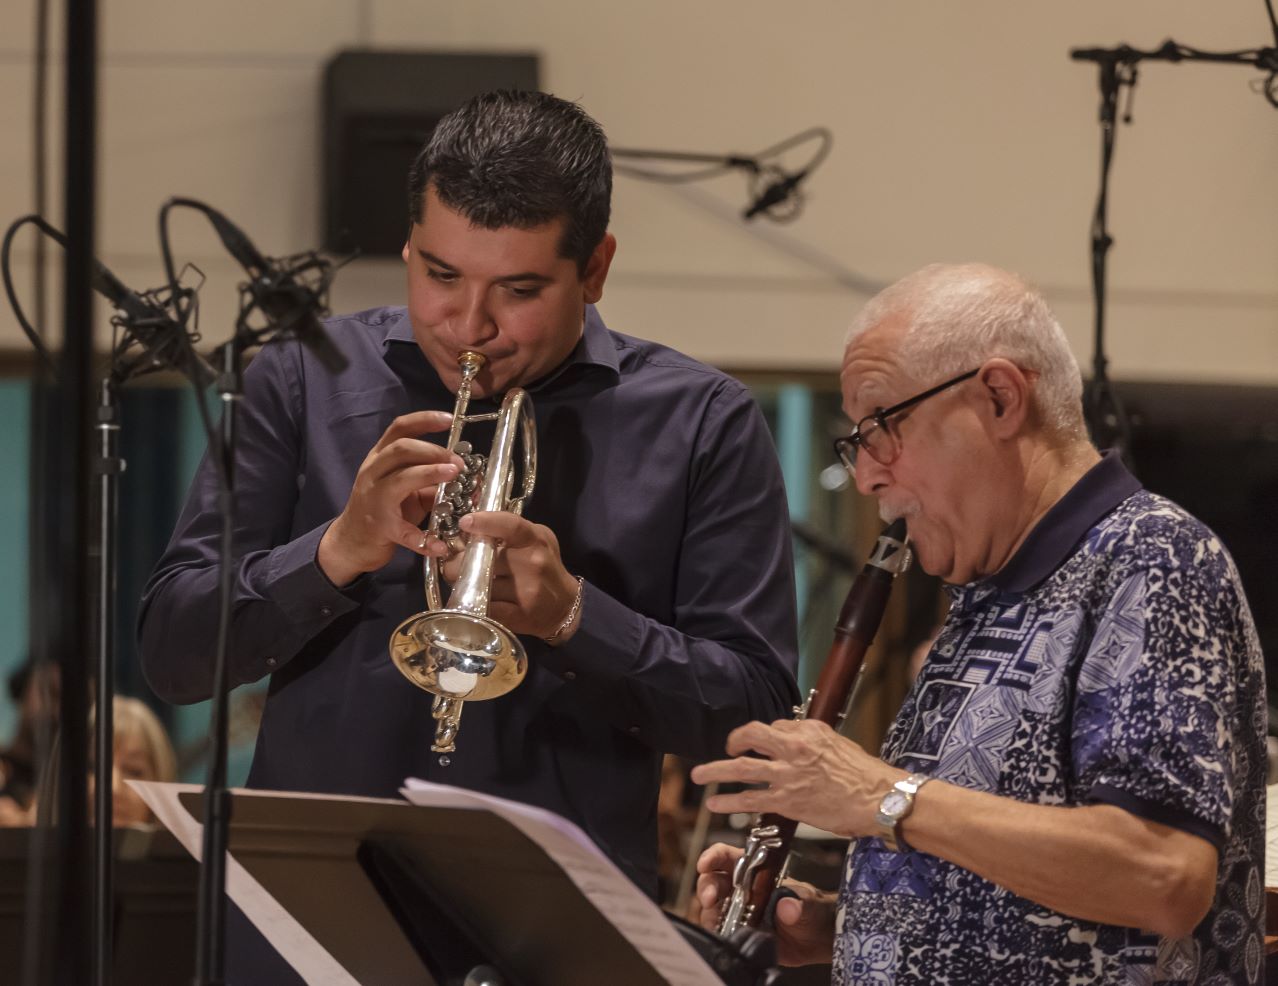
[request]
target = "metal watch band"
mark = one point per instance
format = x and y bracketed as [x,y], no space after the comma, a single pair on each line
[889,822]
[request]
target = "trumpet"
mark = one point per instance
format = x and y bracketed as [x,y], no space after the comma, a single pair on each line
[456,651]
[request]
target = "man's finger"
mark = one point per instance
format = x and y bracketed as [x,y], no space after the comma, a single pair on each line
[398,486]
[789,910]
[412,425]
[742,770]
[415,539]
[749,801]
[404,453]
[756,736]
[718,858]
[512,531]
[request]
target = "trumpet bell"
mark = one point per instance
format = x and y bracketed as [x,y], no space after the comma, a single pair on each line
[460,656]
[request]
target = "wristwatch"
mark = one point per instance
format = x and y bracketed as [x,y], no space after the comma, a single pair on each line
[895,808]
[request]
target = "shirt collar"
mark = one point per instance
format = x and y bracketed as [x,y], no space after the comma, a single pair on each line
[1059,531]
[595,348]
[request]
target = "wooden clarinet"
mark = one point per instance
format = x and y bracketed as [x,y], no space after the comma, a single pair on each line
[767,848]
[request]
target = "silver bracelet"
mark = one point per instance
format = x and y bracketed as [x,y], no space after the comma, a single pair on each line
[571,617]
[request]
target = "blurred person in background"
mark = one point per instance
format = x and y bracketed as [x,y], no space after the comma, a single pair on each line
[142,752]
[35,689]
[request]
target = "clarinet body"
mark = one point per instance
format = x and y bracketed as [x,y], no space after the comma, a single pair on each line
[762,865]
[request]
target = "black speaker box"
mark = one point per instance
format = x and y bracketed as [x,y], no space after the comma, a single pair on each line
[379,109]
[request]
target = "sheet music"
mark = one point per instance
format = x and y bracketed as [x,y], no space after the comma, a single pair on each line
[597,877]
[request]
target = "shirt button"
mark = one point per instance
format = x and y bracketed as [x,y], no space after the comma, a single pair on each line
[570,675]
[270,662]
[325,611]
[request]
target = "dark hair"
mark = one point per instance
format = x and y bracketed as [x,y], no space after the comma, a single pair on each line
[520,159]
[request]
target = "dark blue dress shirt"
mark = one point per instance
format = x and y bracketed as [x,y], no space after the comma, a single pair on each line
[659,478]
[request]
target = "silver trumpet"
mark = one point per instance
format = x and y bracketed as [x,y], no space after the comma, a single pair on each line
[457,652]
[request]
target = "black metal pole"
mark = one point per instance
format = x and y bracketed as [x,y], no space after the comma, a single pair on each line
[1106,419]
[210,944]
[109,467]
[72,633]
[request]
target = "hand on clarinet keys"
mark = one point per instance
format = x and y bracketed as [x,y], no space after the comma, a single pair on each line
[806,771]
[803,923]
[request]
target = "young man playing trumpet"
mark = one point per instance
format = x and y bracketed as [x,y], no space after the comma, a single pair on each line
[649,578]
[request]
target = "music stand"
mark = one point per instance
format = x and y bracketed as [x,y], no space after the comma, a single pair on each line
[338,885]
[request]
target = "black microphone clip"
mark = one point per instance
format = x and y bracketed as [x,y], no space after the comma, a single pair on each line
[290,291]
[782,189]
[156,322]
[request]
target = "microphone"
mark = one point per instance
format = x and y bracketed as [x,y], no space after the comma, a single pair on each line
[145,317]
[134,307]
[148,320]
[280,293]
[775,193]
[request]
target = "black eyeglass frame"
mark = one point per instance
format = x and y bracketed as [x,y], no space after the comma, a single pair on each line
[846,447]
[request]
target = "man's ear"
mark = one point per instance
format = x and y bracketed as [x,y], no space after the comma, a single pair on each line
[1006,396]
[597,269]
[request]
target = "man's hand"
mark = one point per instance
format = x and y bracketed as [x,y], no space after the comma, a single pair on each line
[393,493]
[812,774]
[532,592]
[804,925]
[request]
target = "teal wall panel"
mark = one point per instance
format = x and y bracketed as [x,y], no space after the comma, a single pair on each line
[15,419]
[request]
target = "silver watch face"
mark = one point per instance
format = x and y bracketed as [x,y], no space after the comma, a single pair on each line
[894,804]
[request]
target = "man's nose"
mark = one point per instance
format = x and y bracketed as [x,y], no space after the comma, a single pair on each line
[473,323]
[870,475]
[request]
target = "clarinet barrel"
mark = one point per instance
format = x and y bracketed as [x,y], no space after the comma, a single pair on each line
[761,866]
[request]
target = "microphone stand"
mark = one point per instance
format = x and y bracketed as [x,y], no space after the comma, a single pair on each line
[107,469]
[210,957]
[1106,418]
[286,313]
[144,324]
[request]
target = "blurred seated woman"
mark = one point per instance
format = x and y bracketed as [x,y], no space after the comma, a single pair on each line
[142,753]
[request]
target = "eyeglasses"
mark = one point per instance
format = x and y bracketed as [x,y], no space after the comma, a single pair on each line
[873,434]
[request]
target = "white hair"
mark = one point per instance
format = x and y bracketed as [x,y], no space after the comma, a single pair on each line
[960,315]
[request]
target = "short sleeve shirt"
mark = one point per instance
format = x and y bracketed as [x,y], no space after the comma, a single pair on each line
[1113,659]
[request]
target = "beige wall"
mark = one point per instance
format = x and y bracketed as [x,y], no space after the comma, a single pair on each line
[962,130]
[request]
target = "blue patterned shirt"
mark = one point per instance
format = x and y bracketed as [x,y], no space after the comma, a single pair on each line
[1112,660]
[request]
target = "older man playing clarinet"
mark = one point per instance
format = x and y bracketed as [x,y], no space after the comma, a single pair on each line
[1073,790]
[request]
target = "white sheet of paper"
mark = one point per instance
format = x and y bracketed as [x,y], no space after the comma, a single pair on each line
[637,918]
[297,945]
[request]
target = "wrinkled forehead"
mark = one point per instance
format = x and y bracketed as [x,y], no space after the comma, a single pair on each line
[873,374]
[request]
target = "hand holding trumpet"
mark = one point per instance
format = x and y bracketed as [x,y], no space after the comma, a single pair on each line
[532,591]
[392,494]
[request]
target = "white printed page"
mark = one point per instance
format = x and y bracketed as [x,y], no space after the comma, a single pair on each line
[641,921]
